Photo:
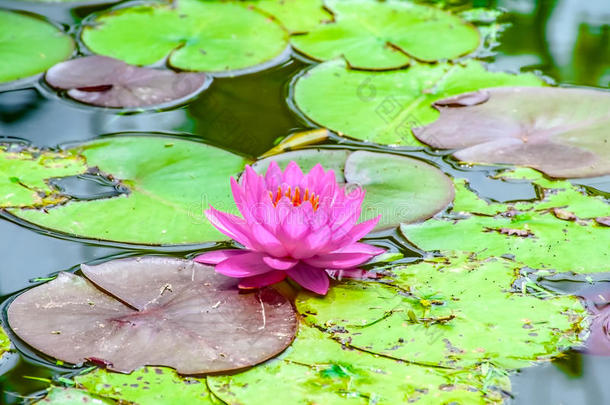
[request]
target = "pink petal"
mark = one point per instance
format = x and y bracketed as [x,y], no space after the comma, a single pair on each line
[274,177]
[277,263]
[312,179]
[360,248]
[262,280]
[311,278]
[338,260]
[359,231]
[316,242]
[217,256]
[293,229]
[293,174]
[246,265]
[232,226]
[268,241]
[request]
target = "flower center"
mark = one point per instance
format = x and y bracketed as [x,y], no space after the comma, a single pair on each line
[295,196]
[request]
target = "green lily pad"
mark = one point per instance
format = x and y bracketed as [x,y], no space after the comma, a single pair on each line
[297,16]
[383,107]
[31,44]
[560,195]
[399,188]
[72,396]
[169,181]
[5,343]
[147,385]
[466,201]
[25,173]
[554,233]
[450,312]
[387,34]
[561,132]
[210,36]
[317,370]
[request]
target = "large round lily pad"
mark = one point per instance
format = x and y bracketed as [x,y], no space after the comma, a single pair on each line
[29,46]
[169,182]
[562,132]
[109,82]
[399,188]
[153,310]
[387,34]
[450,312]
[382,107]
[211,36]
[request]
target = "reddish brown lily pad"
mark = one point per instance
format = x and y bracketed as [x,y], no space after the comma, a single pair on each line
[153,311]
[562,132]
[108,82]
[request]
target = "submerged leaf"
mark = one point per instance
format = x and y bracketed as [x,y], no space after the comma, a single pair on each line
[108,82]
[29,46]
[562,132]
[387,34]
[171,177]
[210,36]
[186,316]
[382,107]
[449,312]
[399,188]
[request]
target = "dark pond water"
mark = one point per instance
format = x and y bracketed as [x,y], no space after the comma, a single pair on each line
[568,41]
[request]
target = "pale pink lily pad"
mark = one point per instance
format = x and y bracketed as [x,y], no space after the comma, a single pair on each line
[153,311]
[108,82]
[561,132]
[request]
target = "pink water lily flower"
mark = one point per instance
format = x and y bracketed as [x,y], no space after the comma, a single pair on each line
[294,225]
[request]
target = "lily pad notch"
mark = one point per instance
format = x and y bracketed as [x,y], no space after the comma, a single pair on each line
[563,132]
[153,310]
[389,34]
[107,82]
[216,37]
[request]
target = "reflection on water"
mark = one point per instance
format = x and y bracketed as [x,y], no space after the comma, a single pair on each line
[27,255]
[575,380]
[567,40]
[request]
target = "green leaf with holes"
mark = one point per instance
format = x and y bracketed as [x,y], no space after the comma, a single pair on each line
[211,36]
[72,396]
[25,174]
[449,312]
[148,385]
[382,107]
[168,182]
[554,233]
[318,370]
[387,34]
[30,45]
